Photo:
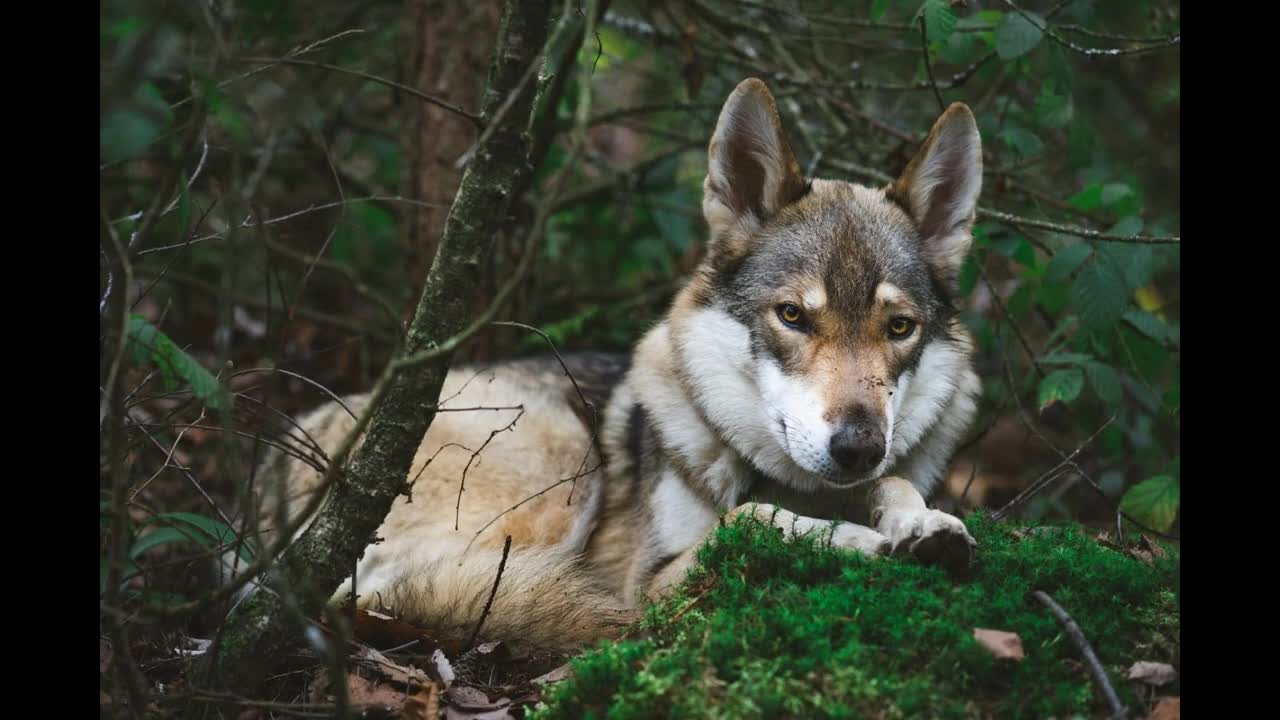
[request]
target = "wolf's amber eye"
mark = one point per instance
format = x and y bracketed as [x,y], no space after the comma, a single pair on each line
[900,328]
[791,315]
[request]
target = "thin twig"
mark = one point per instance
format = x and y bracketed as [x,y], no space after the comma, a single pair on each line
[1118,711]
[1171,41]
[332,395]
[999,216]
[439,102]
[529,499]
[973,473]
[462,487]
[1013,325]
[1079,231]
[928,66]
[1044,480]
[502,564]
[595,419]
[298,213]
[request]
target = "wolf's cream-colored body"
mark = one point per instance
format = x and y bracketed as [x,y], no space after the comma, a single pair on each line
[813,373]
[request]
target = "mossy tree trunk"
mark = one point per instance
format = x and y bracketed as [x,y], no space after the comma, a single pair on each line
[261,628]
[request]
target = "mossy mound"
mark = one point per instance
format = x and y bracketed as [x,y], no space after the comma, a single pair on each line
[767,627]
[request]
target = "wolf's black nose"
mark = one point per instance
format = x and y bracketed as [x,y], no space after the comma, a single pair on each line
[858,446]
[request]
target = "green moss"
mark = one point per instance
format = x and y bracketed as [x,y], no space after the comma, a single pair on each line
[772,628]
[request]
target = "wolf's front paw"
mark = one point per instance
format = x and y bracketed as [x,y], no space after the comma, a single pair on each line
[932,536]
[850,536]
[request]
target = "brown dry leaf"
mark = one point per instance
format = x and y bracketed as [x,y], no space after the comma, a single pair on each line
[1147,550]
[1167,708]
[561,673]
[395,673]
[422,705]
[466,703]
[368,693]
[381,630]
[318,688]
[1003,645]
[104,656]
[1152,673]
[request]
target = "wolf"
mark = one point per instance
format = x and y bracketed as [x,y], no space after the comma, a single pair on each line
[813,373]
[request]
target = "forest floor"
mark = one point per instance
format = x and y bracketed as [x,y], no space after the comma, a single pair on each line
[766,627]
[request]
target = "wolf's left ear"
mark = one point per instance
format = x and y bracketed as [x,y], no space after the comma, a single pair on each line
[751,172]
[940,188]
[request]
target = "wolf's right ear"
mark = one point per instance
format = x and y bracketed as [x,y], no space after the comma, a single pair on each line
[751,172]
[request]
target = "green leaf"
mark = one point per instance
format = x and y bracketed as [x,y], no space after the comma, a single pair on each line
[1128,225]
[1105,382]
[1065,261]
[1060,68]
[198,528]
[959,48]
[1053,297]
[1065,358]
[104,567]
[1016,35]
[1020,301]
[1090,198]
[165,536]
[1015,247]
[940,20]
[1022,141]
[1081,142]
[879,8]
[1136,262]
[1147,324]
[1053,110]
[146,342]
[1121,199]
[1099,294]
[1153,502]
[1061,386]
[968,275]
[126,134]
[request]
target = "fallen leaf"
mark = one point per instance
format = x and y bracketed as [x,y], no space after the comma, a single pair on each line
[1147,550]
[394,673]
[467,703]
[317,689]
[1167,708]
[1152,673]
[381,630]
[368,695]
[561,673]
[422,705]
[368,691]
[104,656]
[1003,645]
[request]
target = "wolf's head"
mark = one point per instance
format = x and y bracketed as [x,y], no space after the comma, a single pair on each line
[830,300]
